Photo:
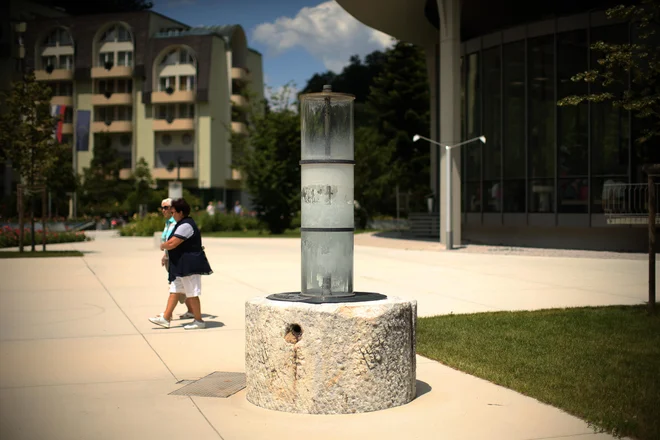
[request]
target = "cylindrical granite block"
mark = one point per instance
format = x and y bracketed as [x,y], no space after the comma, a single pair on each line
[332,358]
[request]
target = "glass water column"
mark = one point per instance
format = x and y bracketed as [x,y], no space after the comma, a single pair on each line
[327,206]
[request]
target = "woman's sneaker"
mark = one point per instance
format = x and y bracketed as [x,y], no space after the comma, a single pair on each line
[160,320]
[187,315]
[195,325]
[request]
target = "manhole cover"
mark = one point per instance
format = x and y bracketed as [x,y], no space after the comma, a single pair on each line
[218,384]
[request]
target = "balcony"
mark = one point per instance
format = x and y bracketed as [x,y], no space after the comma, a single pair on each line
[113,72]
[238,100]
[113,99]
[176,125]
[240,74]
[113,127]
[235,175]
[125,173]
[239,128]
[184,173]
[176,96]
[54,75]
[67,128]
[62,100]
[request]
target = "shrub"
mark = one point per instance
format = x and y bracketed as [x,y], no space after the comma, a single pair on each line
[9,237]
[152,223]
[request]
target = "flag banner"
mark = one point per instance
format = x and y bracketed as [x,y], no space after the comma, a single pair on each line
[57,112]
[83,119]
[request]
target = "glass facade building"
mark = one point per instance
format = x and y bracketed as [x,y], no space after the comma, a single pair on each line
[543,165]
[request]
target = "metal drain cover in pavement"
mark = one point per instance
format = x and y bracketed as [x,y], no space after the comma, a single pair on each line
[218,384]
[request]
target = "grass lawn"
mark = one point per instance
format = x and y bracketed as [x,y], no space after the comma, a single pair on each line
[291,233]
[40,254]
[600,364]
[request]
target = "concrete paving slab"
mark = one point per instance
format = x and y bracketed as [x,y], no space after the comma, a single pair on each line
[57,352]
[112,411]
[78,361]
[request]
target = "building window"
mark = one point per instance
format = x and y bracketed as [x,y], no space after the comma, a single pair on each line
[125,58]
[185,57]
[187,82]
[49,62]
[572,125]
[113,113]
[541,130]
[492,122]
[472,153]
[59,37]
[116,33]
[514,127]
[106,59]
[167,84]
[68,115]
[66,62]
[186,111]
[610,127]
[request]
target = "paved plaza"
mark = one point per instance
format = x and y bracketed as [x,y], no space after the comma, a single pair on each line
[80,360]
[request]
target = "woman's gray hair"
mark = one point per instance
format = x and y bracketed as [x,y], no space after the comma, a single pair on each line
[167,200]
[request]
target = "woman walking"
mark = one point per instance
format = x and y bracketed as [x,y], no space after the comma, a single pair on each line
[187,264]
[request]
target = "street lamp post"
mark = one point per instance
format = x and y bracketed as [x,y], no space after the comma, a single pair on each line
[448,148]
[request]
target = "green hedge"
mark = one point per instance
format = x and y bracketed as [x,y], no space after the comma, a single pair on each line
[9,237]
[152,223]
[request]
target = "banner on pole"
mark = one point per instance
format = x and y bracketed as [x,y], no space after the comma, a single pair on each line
[83,120]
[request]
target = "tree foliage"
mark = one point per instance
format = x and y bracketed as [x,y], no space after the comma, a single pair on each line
[269,159]
[27,130]
[77,7]
[102,190]
[637,62]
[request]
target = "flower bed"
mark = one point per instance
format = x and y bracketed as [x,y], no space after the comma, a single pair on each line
[9,237]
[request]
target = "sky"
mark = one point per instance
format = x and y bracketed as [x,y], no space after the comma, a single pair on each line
[297,38]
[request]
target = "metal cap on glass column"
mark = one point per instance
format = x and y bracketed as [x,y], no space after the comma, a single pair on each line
[327,205]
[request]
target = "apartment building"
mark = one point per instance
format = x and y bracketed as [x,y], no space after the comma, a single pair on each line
[157,88]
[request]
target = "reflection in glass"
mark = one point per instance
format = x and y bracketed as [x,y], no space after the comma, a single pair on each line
[514,127]
[609,125]
[572,57]
[472,152]
[492,118]
[540,64]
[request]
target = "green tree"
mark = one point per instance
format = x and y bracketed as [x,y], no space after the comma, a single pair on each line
[61,180]
[398,105]
[373,177]
[142,182]
[26,134]
[638,61]
[102,190]
[269,159]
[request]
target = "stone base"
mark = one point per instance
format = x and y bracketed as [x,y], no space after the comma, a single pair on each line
[337,358]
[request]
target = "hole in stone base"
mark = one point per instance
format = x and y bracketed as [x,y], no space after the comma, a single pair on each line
[293,333]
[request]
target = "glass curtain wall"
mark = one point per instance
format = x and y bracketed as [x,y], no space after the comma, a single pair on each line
[540,158]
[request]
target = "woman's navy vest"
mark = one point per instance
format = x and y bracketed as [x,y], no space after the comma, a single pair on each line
[188,258]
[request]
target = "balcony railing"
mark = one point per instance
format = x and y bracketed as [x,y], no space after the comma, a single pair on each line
[238,100]
[175,96]
[113,99]
[627,203]
[239,128]
[112,72]
[238,73]
[53,75]
[184,173]
[62,100]
[173,125]
[112,127]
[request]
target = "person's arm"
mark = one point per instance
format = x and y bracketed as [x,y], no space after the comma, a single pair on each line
[182,233]
[172,243]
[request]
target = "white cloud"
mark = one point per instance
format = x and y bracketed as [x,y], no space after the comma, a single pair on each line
[325,31]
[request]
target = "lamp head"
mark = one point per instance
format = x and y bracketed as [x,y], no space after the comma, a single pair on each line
[482,139]
[415,138]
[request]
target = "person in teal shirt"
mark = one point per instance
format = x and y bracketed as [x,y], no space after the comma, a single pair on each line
[170,223]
